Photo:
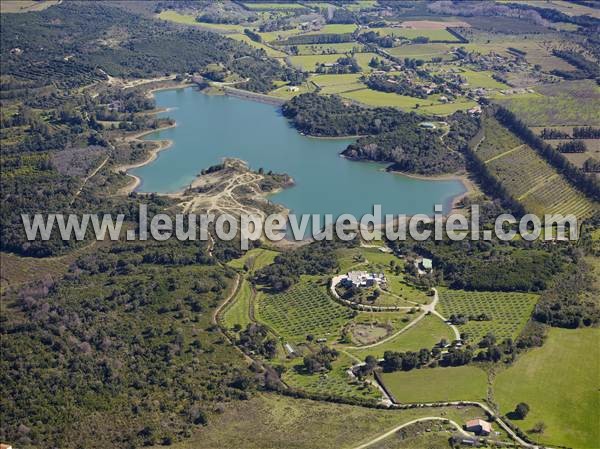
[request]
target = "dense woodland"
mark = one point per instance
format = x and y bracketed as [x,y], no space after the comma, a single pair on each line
[419,150]
[473,265]
[287,268]
[331,116]
[390,135]
[160,375]
[118,43]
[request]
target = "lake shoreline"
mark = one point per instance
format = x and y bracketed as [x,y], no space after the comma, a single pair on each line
[469,185]
[161,145]
[251,97]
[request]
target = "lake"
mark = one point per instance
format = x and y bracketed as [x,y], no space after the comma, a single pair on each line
[211,127]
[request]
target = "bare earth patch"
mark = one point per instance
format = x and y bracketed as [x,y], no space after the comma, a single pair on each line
[365,334]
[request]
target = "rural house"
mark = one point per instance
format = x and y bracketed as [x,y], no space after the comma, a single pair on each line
[479,427]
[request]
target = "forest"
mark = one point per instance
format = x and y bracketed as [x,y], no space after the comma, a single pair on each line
[331,116]
[144,48]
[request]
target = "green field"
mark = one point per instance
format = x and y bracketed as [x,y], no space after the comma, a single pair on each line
[482,79]
[287,92]
[272,6]
[238,312]
[461,104]
[565,103]
[422,51]
[310,62]
[254,259]
[508,312]
[409,33]
[364,59]
[463,383]
[336,28]
[529,178]
[425,334]
[334,84]
[304,309]
[371,97]
[278,35]
[559,381]
[340,48]
[270,51]
[185,19]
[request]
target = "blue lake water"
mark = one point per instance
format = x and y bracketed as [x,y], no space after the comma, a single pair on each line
[210,128]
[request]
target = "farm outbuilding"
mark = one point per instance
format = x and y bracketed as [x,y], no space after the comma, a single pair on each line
[479,427]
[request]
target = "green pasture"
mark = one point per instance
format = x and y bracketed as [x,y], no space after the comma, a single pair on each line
[463,383]
[559,382]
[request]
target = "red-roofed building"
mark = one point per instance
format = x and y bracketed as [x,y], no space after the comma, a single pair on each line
[479,427]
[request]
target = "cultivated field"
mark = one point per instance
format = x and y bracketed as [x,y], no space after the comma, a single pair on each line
[409,33]
[559,382]
[529,178]
[304,309]
[437,384]
[508,312]
[565,103]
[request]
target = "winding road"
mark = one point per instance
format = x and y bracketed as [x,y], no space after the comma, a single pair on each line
[409,423]
[426,308]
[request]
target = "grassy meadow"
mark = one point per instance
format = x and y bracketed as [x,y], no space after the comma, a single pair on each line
[559,382]
[238,312]
[425,334]
[186,19]
[564,103]
[437,384]
[266,420]
[254,259]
